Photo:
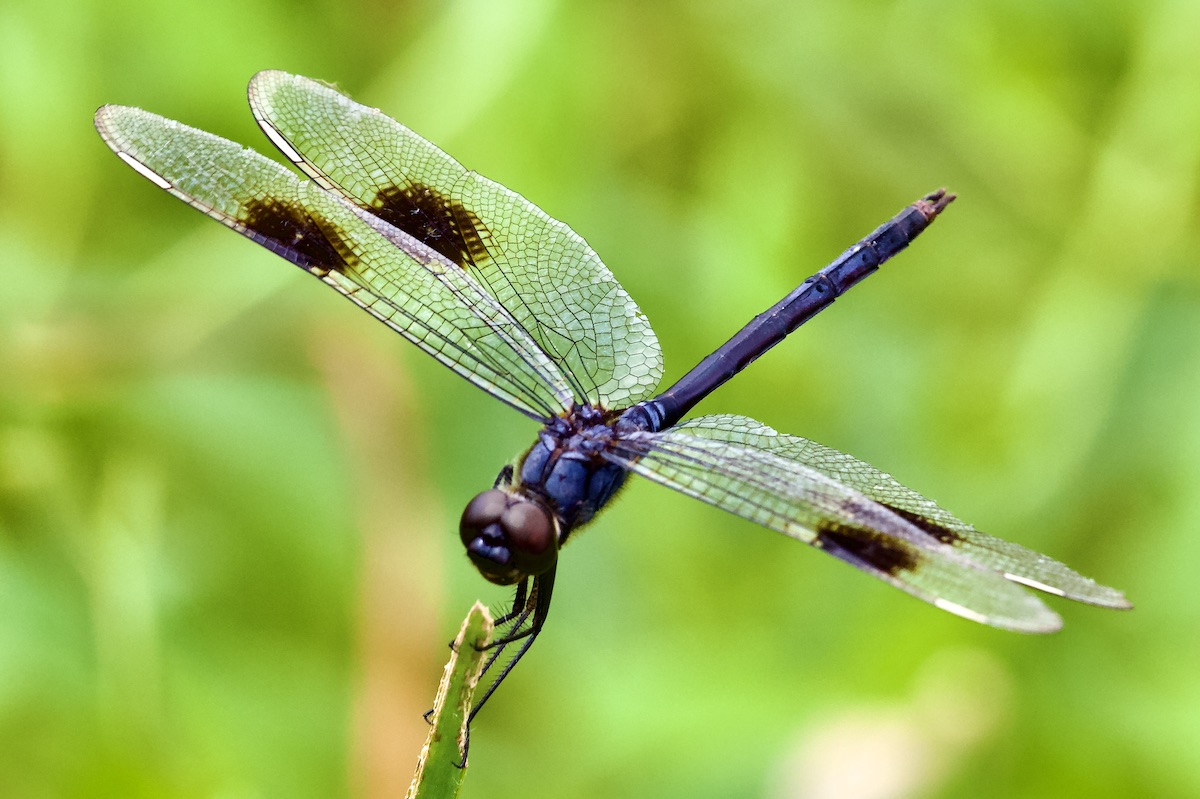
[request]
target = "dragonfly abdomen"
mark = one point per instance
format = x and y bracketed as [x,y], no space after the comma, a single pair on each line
[774,324]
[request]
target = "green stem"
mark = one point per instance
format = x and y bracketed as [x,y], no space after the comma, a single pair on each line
[441,767]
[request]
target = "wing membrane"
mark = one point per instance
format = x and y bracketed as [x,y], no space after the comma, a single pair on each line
[705,459]
[1015,562]
[405,284]
[547,277]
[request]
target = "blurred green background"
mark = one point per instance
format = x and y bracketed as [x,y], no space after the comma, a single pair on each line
[228,500]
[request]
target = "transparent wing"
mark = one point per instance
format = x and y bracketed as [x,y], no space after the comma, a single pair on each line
[1013,561]
[547,277]
[405,284]
[707,459]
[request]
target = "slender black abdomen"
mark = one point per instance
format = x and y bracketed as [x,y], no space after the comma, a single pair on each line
[774,324]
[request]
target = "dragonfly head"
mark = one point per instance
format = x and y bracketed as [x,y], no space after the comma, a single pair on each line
[508,537]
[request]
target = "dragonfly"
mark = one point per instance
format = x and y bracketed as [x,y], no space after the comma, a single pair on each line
[517,303]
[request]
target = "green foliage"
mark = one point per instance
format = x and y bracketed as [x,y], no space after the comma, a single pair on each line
[442,765]
[228,560]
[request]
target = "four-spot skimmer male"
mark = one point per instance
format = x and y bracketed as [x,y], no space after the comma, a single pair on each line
[520,305]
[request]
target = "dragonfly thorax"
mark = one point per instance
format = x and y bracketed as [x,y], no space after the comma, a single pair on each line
[567,467]
[508,536]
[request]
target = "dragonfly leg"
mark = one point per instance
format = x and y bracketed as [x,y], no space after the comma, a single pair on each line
[505,477]
[529,637]
[538,604]
[537,607]
[497,646]
[518,605]
[520,611]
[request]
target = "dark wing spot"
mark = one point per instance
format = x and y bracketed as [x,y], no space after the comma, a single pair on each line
[868,546]
[435,220]
[943,534]
[291,230]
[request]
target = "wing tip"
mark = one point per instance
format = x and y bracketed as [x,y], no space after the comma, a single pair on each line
[1112,599]
[266,79]
[267,74]
[105,117]
[1097,595]
[1040,620]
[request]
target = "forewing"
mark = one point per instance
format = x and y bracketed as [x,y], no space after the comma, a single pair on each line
[1015,562]
[547,277]
[794,499]
[397,279]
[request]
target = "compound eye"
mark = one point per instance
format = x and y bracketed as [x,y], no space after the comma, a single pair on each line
[485,509]
[530,534]
[508,537]
[528,527]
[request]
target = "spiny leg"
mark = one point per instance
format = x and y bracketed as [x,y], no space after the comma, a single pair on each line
[539,603]
[497,647]
[521,608]
[539,599]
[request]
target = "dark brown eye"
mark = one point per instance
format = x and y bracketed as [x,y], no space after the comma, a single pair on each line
[483,510]
[530,537]
[508,537]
